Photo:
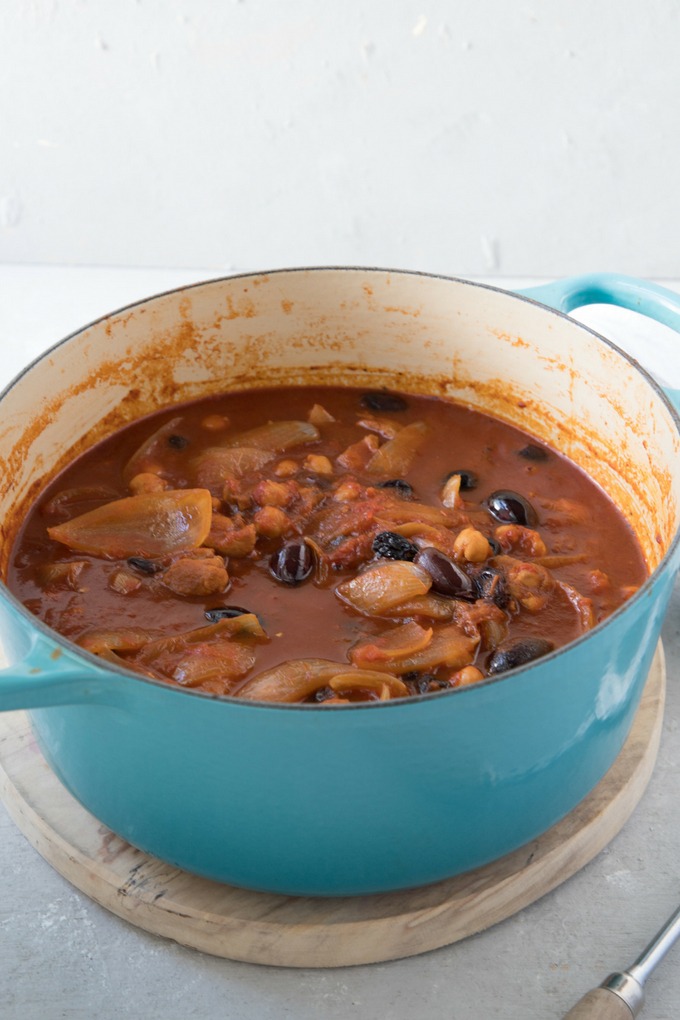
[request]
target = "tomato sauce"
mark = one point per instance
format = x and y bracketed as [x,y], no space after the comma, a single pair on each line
[323,544]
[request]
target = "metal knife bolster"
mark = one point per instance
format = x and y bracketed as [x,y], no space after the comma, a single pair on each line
[627,988]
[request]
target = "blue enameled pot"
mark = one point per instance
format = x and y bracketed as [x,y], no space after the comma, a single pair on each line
[364,798]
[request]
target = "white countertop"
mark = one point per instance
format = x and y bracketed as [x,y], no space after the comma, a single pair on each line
[62,956]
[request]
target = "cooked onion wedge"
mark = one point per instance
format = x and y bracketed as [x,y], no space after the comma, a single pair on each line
[384,685]
[216,464]
[146,457]
[380,588]
[394,457]
[450,646]
[297,679]
[152,524]
[276,436]
[389,649]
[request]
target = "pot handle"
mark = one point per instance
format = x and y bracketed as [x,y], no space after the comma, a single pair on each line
[613,289]
[46,676]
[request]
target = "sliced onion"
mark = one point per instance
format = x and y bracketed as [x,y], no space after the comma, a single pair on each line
[290,681]
[450,646]
[406,513]
[385,685]
[151,524]
[297,679]
[146,456]
[216,464]
[389,649]
[225,660]
[318,415]
[276,436]
[247,624]
[394,457]
[432,607]
[62,503]
[583,605]
[382,587]
[127,639]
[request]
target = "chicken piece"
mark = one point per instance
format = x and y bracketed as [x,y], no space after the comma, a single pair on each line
[63,575]
[190,576]
[564,511]
[271,493]
[516,538]
[230,536]
[272,522]
[385,427]
[599,581]
[235,493]
[124,582]
[146,481]
[347,490]
[531,584]
[483,619]
[357,456]
[352,551]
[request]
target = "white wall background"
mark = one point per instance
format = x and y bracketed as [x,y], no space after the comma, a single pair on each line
[491,137]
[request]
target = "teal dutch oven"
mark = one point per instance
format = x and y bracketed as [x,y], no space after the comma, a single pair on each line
[299,799]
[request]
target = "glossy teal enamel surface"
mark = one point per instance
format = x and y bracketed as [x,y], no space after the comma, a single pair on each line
[303,800]
[307,801]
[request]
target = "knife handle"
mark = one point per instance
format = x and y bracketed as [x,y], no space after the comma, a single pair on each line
[600,1004]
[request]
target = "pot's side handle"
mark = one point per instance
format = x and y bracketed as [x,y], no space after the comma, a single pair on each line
[612,289]
[44,677]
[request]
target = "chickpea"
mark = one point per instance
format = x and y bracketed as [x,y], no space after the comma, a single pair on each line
[271,522]
[318,464]
[471,545]
[146,481]
[347,491]
[286,468]
[466,676]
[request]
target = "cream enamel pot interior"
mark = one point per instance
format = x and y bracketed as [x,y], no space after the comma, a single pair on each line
[304,800]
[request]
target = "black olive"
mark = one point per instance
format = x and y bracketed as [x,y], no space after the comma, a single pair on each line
[490,584]
[144,566]
[447,576]
[402,487]
[495,545]
[509,507]
[293,562]
[381,400]
[533,452]
[468,479]
[225,613]
[391,546]
[323,694]
[518,653]
[423,683]
[178,442]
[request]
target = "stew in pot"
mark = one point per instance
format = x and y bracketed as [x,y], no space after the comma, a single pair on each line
[323,545]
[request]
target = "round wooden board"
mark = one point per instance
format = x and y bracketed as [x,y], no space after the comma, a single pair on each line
[306,932]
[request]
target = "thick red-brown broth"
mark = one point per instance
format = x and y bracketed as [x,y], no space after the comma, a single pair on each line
[333,505]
